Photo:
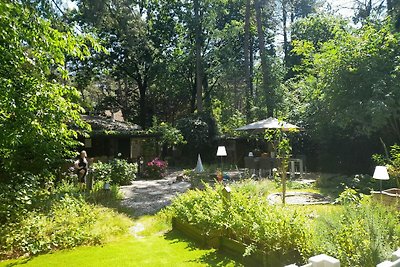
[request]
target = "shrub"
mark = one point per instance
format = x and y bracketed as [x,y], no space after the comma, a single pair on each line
[99,195]
[392,161]
[116,171]
[69,222]
[360,183]
[281,232]
[348,196]
[199,131]
[21,194]
[155,169]
[363,234]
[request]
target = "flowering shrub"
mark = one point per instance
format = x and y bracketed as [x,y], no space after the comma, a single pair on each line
[155,169]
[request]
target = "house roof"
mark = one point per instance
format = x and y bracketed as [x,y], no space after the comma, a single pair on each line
[108,126]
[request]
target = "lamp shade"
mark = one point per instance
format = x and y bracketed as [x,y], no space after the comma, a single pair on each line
[381,173]
[221,151]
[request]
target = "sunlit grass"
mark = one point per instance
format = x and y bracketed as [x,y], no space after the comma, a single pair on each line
[151,243]
[165,250]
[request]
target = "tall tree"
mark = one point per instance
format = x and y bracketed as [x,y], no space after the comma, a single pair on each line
[198,48]
[136,34]
[291,10]
[39,111]
[366,10]
[352,81]
[247,54]
[269,93]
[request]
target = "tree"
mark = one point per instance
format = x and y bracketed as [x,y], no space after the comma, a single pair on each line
[198,48]
[39,111]
[291,11]
[137,35]
[247,54]
[169,136]
[366,10]
[269,93]
[352,81]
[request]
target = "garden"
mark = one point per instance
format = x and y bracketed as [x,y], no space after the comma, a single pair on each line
[172,82]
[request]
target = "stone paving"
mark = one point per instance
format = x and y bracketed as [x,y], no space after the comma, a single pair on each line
[149,196]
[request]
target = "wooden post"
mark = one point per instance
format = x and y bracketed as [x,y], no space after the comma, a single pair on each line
[226,194]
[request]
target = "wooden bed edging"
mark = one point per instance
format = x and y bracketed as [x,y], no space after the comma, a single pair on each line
[217,240]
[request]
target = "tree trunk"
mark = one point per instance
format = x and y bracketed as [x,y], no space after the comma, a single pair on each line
[285,37]
[193,97]
[199,79]
[252,93]
[207,94]
[264,68]
[389,5]
[142,104]
[246,48]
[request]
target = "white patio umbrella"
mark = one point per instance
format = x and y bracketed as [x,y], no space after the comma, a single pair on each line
[270,123]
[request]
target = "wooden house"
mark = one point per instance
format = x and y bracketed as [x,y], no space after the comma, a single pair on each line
[112,138]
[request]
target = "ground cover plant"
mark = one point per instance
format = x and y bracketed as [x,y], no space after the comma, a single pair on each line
[363,233]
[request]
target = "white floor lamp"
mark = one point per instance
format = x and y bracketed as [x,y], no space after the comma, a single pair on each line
[380,174]
[221,152]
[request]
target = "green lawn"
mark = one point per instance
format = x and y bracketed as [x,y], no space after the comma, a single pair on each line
[170,249]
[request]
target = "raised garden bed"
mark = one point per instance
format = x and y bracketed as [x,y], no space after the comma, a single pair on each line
[218,240]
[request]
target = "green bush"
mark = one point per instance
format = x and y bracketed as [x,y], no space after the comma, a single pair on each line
[362,234]
[116,171]
[392,161]
[99,195]
[23,193]
[69,222]
[361,183]
[38,217]
[280,232]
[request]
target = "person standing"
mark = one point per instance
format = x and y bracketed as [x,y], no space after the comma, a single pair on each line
[82,166]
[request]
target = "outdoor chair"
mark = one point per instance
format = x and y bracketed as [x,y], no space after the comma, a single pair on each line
[276,163]
[250,164]
[265,165]
[304,159]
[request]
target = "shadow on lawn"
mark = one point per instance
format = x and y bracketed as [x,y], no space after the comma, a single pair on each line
[19,262]
[212,258]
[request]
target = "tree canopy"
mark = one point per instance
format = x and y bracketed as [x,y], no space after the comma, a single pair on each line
[214,64]
[39,110]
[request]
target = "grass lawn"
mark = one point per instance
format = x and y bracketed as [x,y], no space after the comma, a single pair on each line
[170,249]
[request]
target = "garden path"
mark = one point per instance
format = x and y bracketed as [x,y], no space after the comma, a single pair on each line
[149,196]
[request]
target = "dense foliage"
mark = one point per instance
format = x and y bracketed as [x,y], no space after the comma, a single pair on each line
[361,233]
[116,171]
[37,220]
[39,111]
[280,232]
[67,223]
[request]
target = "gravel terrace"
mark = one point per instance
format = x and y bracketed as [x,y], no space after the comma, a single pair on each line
[146,197]
[149,196]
